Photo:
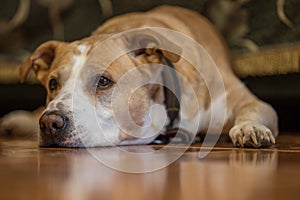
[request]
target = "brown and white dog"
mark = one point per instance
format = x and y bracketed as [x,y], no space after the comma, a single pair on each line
[82,94]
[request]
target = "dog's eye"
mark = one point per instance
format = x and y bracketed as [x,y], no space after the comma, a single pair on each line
[53,84]
[104,83]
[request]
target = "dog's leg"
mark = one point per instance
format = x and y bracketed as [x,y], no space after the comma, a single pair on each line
[255,122]
[20,123]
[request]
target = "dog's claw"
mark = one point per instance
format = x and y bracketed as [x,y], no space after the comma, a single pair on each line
[261,137]
[240,141]
[272,138]
[253,137]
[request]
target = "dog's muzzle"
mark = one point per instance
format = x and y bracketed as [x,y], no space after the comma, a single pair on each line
[53,123]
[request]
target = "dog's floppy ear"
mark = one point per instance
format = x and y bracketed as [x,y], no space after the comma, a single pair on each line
[40,60]
[153,44]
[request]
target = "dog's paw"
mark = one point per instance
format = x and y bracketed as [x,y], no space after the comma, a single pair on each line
[19,123]
[251,134]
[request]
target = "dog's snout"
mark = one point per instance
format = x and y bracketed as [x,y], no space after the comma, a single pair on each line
[51,123]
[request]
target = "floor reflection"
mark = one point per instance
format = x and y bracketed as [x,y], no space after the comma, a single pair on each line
[29,172]
[235,174]
[79,175]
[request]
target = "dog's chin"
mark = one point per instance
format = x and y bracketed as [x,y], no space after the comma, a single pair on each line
[76,143]
[67,141]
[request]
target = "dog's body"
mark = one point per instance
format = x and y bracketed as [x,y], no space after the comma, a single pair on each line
[58,66]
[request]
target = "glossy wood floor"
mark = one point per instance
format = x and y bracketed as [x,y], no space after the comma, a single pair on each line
[29,172]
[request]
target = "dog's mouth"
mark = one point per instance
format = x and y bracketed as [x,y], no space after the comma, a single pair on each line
[65,139]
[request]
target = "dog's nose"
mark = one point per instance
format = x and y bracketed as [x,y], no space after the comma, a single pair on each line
[51,123]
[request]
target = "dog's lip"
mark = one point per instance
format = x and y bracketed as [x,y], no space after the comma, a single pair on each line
[70,144]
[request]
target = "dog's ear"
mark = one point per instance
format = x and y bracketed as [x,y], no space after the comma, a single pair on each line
[152,44]
[40,61]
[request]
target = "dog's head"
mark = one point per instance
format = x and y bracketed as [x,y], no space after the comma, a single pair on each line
[93,102]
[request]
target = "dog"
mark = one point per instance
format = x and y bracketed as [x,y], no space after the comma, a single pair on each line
[83,97]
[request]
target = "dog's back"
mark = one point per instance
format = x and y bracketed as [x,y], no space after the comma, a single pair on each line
[178,19]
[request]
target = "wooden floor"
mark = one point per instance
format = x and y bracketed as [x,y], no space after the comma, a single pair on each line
[29,172]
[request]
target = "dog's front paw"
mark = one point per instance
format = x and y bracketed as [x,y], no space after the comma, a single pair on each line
[19,123]
[251,134]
